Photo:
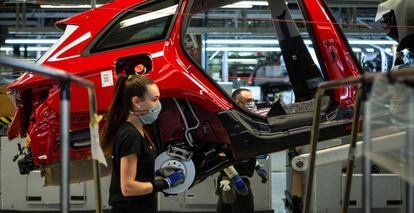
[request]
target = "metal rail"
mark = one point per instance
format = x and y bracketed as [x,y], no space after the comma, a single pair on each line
[400,75]
[313,146]
[352,151]
[65,80]
[408,156]
[366,145]
[340,153]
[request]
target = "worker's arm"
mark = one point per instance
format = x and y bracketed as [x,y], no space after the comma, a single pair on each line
[129,186]
[169,177]
[239,184]
[262,172]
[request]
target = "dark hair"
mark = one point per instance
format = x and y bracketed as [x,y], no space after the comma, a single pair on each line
[125,89]
[238,92]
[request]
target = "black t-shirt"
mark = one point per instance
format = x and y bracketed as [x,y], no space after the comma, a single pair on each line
[129,141]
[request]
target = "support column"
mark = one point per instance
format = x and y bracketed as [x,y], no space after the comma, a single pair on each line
[225,67]
[64,146]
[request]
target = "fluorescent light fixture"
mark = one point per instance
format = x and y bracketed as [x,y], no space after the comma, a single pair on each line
[246,4]
[68,6]
[31,41]
[242,41]
[149,16]
[5,49]
[256,3]
[357,50]
[243,60]
[377,42]
[245,49]
[255,49]
[30,49]
[307,41]
[36,48]
[370,50]
[238,6]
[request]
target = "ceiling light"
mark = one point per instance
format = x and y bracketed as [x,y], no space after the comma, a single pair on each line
[68,6]
[31,41]
[237,6]
[242,41]
[30,49]
[307,41]
[255,3]
[356,50]
[5,49]
[244,49]
[36,48]
[255,49]
[377,42]
[243,60]
[370,50]
[246,4]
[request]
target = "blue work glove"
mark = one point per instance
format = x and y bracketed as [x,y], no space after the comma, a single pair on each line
[239,185]
[262,172]
[172,175]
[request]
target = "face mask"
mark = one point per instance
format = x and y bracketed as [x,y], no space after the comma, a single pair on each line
[251,106]
[151,116]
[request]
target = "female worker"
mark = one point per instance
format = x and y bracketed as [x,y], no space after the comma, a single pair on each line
[133,185]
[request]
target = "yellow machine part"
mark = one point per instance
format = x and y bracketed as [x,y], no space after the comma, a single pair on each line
[6,121]
[7,110]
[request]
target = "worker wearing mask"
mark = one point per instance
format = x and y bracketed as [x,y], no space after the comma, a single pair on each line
[133,184]
[233,185]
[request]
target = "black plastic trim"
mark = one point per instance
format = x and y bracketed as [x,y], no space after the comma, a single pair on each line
[249,141]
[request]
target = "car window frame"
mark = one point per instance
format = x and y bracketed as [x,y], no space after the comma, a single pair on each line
[109,26]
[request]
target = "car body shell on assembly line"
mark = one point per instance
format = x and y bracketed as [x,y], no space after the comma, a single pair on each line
[199,120]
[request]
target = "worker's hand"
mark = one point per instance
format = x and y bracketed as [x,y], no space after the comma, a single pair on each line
[262,172]
[172,175]
[175,179]
[167,171]
[239,185]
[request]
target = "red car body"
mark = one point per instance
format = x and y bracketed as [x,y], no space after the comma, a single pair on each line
[222,123]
